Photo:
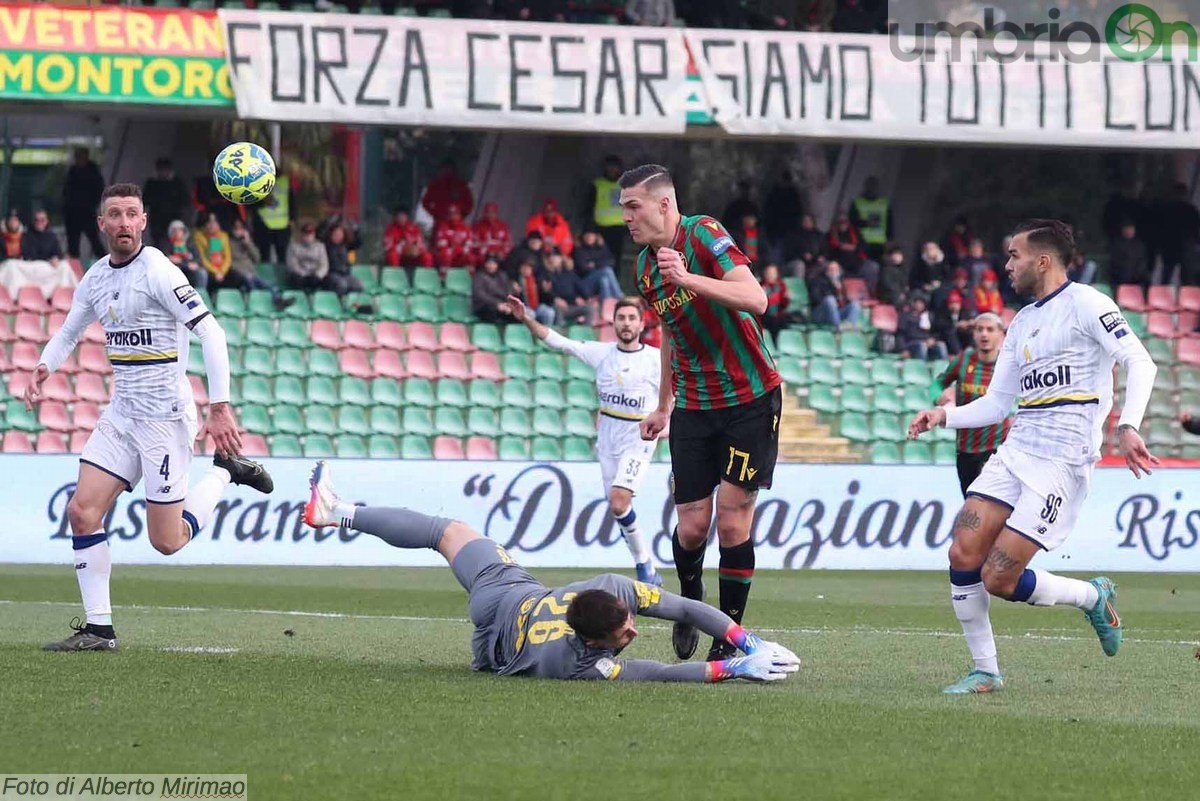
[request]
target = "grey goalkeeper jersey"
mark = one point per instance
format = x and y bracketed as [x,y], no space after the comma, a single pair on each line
[531,635]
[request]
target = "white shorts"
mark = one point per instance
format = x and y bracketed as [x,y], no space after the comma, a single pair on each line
[626,468]
[158,450]
[1045,496]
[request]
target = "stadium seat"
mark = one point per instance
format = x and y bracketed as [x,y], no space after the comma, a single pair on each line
[394,280]
[318,445]
[393,308]
[427,282]
[260,303]
[26,356]
[448,421]
[1162,351]
[856,290]
[325,334]
[354,392]
[1161,297]
[887,427]
[517,366]
[290,419]
[79,439]
[486,336]
[448,448]
[285,445]
[790,342]
[822,371]
[855,372]
[458,281]
[854,399]
[29,327]
[854,428]
[547,422]
[7,304]
[577,368]
[481,449]
[545,366]
[358,334]
[578,449]
[885,453]
[230,303]
[1160,324]
[60,299]
[518,338]
[356,363]
[200,390]
[482,422]
[452,364]
[546,449]
[260,332]
[884,372]
[513,449]
[85,415]
[486,366]
[454,336]
[484,393]
[582,395]
[94,334]
[916,453]
[321,420]
[581,333]
[30,299]
[516,395]
[915,373]
[944,452]
[290,334]
[822,398]
[386,420]
[17,442]
[884,318]
[351,447]
[382,446]
[887,399]
[385,391]
[1189,298]
[821,342]
[390,334]
[792,372]
[515,422]
[327,305]
[579,423]
[424,308]
[457,309]
[853,345]
[90,387]
[1188,350]
[353,420]
[57,387]
[6,332]
[17,417]
[420,364]
[1187,379]
[1137,323]
[256,418]
[1130,297]
[413,446]
[1162,404]
[418,420]
[418,392]
[388,364]
[53,415]
[548,395]
[423,336]
[452,393]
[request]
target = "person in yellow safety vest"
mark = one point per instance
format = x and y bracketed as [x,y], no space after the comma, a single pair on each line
[604,210]
[273,221]
[872,218]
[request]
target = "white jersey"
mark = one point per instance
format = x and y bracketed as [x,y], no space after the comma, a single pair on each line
[627,384]
[1057,360]
[146,308]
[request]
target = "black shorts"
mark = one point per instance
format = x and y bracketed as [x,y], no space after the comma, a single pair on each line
[738,444]
[969,467]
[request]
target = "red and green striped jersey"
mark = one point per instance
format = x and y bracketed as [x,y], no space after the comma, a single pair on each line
[720,355]
[971,376]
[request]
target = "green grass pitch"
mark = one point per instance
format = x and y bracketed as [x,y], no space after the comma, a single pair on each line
[354,683]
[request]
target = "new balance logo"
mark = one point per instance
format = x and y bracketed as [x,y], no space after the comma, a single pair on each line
[957,597]
[164,489]
[1041,529]
[81,566]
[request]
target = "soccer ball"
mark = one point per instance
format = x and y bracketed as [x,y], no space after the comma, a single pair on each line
[244,173]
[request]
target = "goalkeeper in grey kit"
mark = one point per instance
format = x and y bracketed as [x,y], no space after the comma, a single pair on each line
[523,628]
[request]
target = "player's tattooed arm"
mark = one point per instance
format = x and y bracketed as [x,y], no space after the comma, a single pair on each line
[999,560]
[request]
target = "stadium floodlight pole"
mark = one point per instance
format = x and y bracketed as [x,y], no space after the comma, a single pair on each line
[275,141]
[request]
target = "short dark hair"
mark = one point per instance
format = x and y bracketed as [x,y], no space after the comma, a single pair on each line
[595,614]
[628,302]
[120,190]
[653,175]
[1054,236]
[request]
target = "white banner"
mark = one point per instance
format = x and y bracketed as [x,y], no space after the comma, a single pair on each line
[456,73]
[553,515]
[875,87]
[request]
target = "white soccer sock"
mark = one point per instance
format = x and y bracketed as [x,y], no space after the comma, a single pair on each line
[971,603]
[633,537]
[344,513]
[1052,590]
[93,567]
[203,497]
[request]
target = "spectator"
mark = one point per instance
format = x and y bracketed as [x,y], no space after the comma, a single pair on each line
[341,280]
[1190,423]
[1082,269]
[783,208]
[771,15]
[852,17]
[532,249]
[1121,207]
[1180,223]
[952,324]
[272,222]
[404,244]
[776,317]
[81,203]
[39,243]
[652,328]
[714,14]
[445,190]
[931,269]
[562,287]
[244,257]
[491,235]
[604,207]
[977,262]
[650,14]
[553,227]
[489,293]
[956,243]
[180,249]
[209,201]
[537,10]
[959,282]
[893,277]
[166,198]
[802,245]
[14,231]
[307,261]
[873,218]
[594,266]
[830,304]
[530,291]
[987,294]
[351,237]
[1127,257]
[915,331]
[741,205]
[453,242]
[212,245]
[748,238]
[845,247]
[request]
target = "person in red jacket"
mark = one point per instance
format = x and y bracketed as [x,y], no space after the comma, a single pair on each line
[445,190]
[553,226]
[492,237]
[845,245]
[776,317]
[453,242]
[404,243]
[987,294]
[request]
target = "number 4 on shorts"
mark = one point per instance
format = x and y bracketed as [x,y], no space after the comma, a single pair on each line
[165,469]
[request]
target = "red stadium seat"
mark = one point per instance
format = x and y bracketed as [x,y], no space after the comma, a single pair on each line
[31,299]
[420,364]
[607,308]
[856,290]
[421,336]
[452,364]
[54,321]
[90,387]
[6,332]
[607,334]
[93,360]
[1129,296]
[1161,297]
[390,334]
[61,299]
[454,336]
[94,334]
[70,365]
[53,415]
[7,304]
[486,366]
[1160,324]
[255,445]
[52,442]
[18,380]
[1187,322]
[1189,298]
[1189,350]
[389,365]
[884,318]
[358,334]
[58,388]
[17,442]
[5,361]
[25,356]
[354,362]
[325,334]
[78,440]
[85,415]
[199,390]
[448,448]
[481,449]
[29,327]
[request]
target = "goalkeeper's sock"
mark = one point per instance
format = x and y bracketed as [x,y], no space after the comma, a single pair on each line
[689,565]
[971,602]
[736,572]
[401,528]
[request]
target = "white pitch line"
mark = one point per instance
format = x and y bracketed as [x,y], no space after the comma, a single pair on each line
[887,632]
[200,649]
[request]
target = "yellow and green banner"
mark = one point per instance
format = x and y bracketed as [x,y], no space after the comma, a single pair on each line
[113,54]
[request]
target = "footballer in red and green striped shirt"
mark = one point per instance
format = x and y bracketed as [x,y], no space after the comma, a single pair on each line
[720,389]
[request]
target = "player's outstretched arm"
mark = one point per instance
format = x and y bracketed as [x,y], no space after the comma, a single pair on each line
[990,409]
[520,312]
[591,353]
[759,667]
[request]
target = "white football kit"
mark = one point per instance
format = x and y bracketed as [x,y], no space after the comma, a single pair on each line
[627,385]
[146,308]
[1057,364]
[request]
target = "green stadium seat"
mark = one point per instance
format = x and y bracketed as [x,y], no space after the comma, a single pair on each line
[582,395]
[457,309]
[413,446]
[916,453]
[482,422]
[516,395]
[854,345]
[448,421]
[578,449]
[354,392]
[579,369]
[230,303]
[427,282]
[937,435]
[884,372]
[855,372]
[293,334]
[256,389]
[663,452]
[1104,289]
[382,446]
[798,291]
[790,342]
[458,281]
[944,453]
[822,371]
[546,449]
[1137,323]
[887,427]
[581,333]
[547,422]
[854,399]
[915,373]
[318,445]
[286,446]
[386,420]
[258,361]
[1187,378]
[792,372]
[548,395]
[579,423]
[353,420]
[517,366]
[327,306]
[484,394]
[418,420]
[822,342]
[854,428]
[290,361]
[324,362]
[486,336]
[350,447]
[915,400]
[515,422]
[394,280]
[260,331]
[887,399]
[512,449]
[255,418]
[289,420]
[234,337]
[260,303]
[885,453]
[822,398]
[1162,351]
[321,389]
[1190,450]
[368,276]
[301,308]
[418,392]
[385,391]
[452,393]
[549,366]
[518,338]
[424,309]
[393,307]
[1162,404]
